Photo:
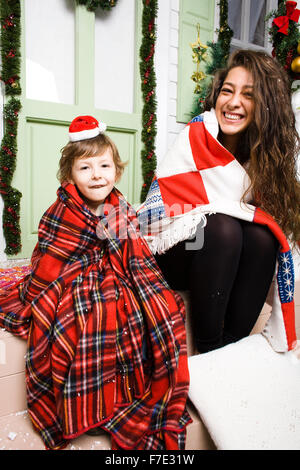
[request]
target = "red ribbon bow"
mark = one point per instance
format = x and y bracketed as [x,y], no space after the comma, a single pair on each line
[291,14]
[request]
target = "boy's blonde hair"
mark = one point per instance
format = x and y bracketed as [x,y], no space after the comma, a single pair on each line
[87,148]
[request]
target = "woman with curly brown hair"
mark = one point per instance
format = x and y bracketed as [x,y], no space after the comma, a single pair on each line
[270,144]
[231,167]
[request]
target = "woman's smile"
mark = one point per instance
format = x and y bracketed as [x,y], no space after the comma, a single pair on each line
[233,117]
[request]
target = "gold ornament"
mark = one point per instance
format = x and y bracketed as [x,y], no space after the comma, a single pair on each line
[199,49]
[199,55]
[298,48]
[198,76]
[295,66]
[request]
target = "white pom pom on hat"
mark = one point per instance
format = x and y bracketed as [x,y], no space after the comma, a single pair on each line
[85,127]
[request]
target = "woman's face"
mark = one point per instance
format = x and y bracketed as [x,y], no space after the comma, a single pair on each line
[235,104]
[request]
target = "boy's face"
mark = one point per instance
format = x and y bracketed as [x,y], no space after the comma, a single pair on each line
[95,178]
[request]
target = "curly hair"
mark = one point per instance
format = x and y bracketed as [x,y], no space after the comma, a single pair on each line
[270,144]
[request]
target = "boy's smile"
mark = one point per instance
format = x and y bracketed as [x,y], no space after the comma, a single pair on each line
[95,178]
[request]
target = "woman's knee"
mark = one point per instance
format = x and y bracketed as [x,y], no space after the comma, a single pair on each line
[260,240]
[223,234]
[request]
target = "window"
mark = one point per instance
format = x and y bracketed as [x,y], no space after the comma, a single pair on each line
[247,20]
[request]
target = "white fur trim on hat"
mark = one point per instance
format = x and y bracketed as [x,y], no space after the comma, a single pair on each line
[85,127]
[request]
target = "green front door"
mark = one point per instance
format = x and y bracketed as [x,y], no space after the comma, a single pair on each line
[44,120]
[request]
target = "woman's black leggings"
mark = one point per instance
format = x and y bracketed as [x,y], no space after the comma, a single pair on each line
[228,278]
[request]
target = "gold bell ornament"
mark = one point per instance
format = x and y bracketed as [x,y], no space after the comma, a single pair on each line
[295,65]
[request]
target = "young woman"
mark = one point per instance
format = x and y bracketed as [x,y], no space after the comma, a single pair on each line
[236,161]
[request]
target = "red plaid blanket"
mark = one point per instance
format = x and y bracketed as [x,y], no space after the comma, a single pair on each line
[106,336]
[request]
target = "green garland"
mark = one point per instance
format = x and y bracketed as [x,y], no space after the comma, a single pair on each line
[10,12]
[92,5]
[221,49]
[219,53]
[148,85]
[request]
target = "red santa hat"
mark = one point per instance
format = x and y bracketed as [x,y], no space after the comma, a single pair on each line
[85,127]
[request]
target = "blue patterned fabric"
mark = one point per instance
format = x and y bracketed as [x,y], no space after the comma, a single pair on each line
[285,277]
[198,118]
[154,208]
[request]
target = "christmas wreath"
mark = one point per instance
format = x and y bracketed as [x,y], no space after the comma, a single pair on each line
[10,12]
[92,5]
[285,37]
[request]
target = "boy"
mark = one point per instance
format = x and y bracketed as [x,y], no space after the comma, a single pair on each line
[106,336]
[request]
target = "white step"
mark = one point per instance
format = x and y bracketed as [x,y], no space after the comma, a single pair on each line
[17,433]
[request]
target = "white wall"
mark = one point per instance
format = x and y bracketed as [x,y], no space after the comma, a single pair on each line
[2,241]
[166,62]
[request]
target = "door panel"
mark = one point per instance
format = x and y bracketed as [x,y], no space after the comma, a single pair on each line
[44,120]
[42,168]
